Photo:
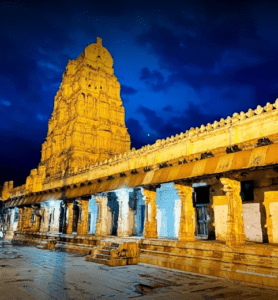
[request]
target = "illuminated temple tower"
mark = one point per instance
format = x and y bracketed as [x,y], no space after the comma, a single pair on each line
[88,121]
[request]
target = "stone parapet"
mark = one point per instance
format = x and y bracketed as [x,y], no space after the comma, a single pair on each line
[244,129]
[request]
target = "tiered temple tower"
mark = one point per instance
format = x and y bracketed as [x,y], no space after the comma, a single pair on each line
[88,121]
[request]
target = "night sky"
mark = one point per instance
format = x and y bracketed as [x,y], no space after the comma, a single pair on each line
[180,64]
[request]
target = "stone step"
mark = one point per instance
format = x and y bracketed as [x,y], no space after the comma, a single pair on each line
[104,256]
[42,245]
[98,260]
[105,251]
[108,248]
[72,247]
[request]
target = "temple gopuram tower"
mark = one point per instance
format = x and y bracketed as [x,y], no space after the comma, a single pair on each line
[88,120]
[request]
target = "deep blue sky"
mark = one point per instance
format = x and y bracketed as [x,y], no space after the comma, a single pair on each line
[180,64]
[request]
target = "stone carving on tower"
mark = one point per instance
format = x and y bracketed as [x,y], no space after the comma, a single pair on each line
[88,121]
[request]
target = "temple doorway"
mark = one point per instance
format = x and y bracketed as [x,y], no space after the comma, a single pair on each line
[75,217]
[113,209]
[168,211]
[142,219]
[62,218]
[201,199]
[50,220]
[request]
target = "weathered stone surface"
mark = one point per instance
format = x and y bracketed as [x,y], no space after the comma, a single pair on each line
[69,217]
[87,152]
[187,220]
[235,225]
[124,213]
[87,124]
[271,206]
[102,218]
[82,227]
[150,226]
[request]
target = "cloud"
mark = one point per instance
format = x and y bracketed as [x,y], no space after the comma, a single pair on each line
[191,117]
[154,79]
[168,108]
[42,118]
[5,102]
[151,117]
[138,135]
[128,90]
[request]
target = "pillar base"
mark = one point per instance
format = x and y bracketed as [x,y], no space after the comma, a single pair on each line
[123,234]
[236,240]
[9,235]
[150,232]
[186,239]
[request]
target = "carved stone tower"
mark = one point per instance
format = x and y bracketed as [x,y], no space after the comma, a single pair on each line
[88,121]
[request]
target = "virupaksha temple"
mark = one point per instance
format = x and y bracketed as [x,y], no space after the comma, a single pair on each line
[202,201]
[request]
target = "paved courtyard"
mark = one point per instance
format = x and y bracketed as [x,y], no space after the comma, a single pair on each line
[30,273]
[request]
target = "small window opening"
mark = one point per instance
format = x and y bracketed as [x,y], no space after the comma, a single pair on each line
[201,195]
[247,190]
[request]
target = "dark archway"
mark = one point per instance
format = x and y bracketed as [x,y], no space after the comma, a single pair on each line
[62,217]
[113,207]
[75,216]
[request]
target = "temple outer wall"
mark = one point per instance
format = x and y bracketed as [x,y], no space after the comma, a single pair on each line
[240,132]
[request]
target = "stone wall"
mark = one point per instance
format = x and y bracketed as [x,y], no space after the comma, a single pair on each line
[186,145]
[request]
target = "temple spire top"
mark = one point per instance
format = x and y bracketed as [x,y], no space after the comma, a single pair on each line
[99,41]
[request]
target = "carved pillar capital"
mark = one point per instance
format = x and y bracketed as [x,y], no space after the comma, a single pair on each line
[187,219]
[99,198]
[149,194]
[235,224]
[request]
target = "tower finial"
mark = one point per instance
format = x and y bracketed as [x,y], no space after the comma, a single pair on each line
[99,41]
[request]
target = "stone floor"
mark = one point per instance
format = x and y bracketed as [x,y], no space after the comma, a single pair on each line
[30,273]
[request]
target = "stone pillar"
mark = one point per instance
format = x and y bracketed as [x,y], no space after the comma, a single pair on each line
[271,207]
[37,221]
[27,218]
[150,227]
[20,222]
[69,217]
[82,226]
[55,218]
[10,222]
[45,219]
[123,222]
[101,222]
[187,219]
[235,224]
[133,226]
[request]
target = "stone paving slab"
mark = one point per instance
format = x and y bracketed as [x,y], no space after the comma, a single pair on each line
[31,273]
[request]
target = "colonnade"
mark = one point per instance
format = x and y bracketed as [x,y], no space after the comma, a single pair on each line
[41,214]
